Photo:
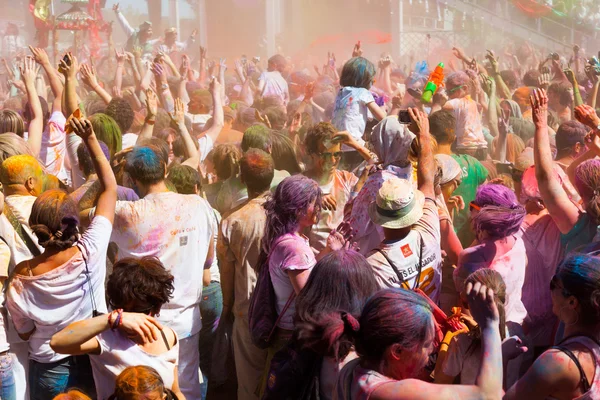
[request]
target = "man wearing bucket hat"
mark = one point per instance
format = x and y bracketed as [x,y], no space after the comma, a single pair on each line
[410,255]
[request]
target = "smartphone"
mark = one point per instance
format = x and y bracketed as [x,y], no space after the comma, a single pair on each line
[66,59]
[555,56]
[404,117]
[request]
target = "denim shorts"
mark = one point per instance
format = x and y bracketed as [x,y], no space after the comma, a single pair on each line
[47,380]
[7,379]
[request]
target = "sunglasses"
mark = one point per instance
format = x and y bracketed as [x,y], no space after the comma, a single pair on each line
[474,207]
[336,155]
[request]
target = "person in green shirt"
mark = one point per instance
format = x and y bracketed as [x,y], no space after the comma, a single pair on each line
[474,174]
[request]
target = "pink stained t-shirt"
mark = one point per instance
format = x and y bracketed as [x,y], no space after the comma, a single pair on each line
[340,188]
[469,130]
[290,253]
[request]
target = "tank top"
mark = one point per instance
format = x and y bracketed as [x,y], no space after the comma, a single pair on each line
[358,383]
[594,385]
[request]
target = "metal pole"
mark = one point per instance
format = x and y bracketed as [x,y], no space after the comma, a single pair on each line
[174,16]
[202,29]
[270,9]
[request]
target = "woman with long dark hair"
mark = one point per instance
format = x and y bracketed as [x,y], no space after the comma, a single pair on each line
[338,286]
[394,338]
[292,210]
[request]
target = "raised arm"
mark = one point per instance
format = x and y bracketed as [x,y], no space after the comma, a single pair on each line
[218,117]
[55,84]
[36,125]
[89,77]
[123,21]
[121,56]
[564,213]
[587,116]
[162,87]
[346,138]
[151,111]
[222,69]
[178,118]
[503,89]
[592,73]
[489,381]
[108,196]
[426,164]
[69,68]
[578,100]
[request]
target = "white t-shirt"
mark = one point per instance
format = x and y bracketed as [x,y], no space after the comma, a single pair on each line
[405,254]
[351,111]
[177,229]
[469,130]
[340,188]
[54,147]
[275,86]
[128,141]
[118,352]
[51,301]
[291,253]
[215,274]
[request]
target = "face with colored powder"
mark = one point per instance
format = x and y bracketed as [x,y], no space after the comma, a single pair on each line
[328,157]
[411,363]
[311,216]
[562,306]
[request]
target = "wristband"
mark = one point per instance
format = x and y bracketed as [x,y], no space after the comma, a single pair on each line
[119,320]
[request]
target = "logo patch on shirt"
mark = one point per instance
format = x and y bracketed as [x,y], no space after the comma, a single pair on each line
[406,251]
[183,241]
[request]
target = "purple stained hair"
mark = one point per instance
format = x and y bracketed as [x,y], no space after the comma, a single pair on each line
[292,198]
[501,214]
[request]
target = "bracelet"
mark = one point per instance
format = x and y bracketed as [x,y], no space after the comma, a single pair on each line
[110,319]
[119,320]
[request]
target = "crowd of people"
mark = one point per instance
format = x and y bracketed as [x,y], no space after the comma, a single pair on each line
[171,224]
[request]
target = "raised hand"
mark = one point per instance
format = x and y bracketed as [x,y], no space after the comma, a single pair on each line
[459,53]
[544,81]
[116,7]
[82,127]
[68,66]
[239,69]
[214,87]
[420,122]
[203,52]
[357,52]
[587,116]
[539,107]
[570,75]
[178,115]
[88,76]
[121,56]
[151,104]
[592,73]
[309,91]
[482,305]
[185,66]
[137,52]
[211,68]
[296,123]
[222,64]
[488,84]
[329,202]
[40,55]
[28,70]
[491,57]
[159,72]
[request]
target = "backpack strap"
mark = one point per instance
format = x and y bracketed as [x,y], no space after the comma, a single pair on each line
[20,229]
[397,271]
[585,384]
